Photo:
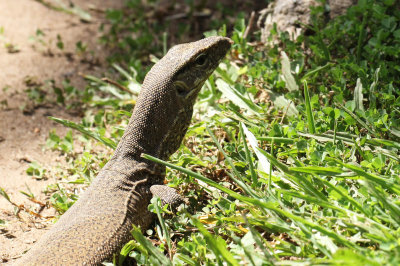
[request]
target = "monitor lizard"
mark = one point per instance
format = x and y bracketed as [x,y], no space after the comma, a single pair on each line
[99,223]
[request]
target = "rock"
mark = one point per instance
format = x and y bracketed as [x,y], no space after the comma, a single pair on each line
[339,7]
[289,15]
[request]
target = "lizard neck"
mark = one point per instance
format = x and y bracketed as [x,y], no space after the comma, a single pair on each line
[149,127]
[147,132]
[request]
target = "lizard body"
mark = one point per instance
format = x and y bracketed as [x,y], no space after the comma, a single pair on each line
[99,223]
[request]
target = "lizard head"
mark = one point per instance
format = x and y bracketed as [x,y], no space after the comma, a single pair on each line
[165,105]
[198,60]
[187,66]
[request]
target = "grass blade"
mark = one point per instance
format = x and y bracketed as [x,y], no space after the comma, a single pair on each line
[277,140]
[240,182]
[371,177]
[280,102]
[146,244]
[264,165]
[157,203]
[127,248]
[358,96]
[345,195]
[329,171]
[216,243]
[106,141]
[290,81]
[237,98]
[4,194]
[355,117]
[310,117]
[248,157]
[299,180]
[316,70]
[383,197]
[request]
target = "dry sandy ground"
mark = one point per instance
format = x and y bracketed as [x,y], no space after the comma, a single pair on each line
[22,136]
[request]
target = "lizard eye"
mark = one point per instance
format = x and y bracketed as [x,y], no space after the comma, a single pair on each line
[201,60]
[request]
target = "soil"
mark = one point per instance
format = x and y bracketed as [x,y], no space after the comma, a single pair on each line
[23,127]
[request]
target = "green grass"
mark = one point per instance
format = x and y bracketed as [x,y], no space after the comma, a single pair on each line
[293,159]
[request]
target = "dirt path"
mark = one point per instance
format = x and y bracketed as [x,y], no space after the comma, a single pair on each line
[22,136]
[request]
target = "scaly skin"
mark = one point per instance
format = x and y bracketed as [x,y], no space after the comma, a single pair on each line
[99,223]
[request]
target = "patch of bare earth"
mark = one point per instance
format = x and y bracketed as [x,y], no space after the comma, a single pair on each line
[22,135]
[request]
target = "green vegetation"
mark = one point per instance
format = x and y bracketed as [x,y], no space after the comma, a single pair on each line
[293,153]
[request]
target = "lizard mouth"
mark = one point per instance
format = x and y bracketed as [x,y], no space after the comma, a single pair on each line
[182,89]
[185,91]
[196,88]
